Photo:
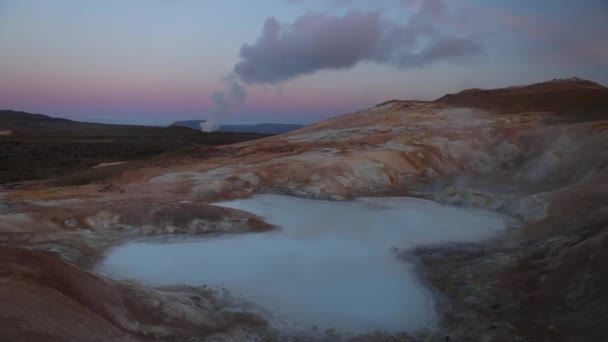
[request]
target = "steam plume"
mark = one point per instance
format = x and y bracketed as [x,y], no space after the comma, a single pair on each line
[225,101]
[316,42]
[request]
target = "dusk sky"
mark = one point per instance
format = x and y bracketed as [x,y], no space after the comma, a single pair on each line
[296,61]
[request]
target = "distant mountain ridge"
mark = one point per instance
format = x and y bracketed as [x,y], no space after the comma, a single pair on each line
[263,128]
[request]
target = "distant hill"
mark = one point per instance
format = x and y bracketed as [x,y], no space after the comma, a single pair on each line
[24,123]
[36,146]
[17,117]
[571,96]
[263,128]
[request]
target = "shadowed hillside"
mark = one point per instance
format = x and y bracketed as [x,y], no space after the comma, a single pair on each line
[573,98]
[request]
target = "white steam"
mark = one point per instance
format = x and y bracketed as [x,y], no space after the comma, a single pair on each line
[225,101]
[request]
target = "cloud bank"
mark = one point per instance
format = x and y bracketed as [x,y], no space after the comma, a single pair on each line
[316,42]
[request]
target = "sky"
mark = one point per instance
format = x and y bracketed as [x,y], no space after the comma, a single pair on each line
[290,61]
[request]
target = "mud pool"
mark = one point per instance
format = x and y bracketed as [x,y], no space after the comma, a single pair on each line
[330,265]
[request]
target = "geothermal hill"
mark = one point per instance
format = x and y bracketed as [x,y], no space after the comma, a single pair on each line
[531,152]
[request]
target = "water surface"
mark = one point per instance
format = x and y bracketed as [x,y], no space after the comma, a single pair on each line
[331,265]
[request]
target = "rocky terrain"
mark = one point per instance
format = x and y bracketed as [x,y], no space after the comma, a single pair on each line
[530,152]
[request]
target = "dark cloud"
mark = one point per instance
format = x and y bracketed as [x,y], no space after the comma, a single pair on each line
[316,42]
